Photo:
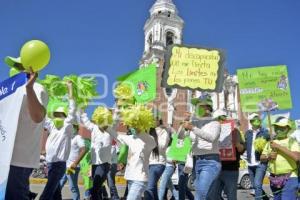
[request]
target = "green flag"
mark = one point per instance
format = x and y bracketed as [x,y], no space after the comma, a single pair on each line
[143,83]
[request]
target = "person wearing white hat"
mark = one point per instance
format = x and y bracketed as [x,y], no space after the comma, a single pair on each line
[283,153]
[257,169]
[26,152]
[58,146]
[228,178]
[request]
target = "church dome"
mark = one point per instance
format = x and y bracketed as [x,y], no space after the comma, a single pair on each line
[161,6]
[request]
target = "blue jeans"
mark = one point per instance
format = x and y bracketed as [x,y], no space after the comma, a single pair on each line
[112,183]
[182,184]
[207,170]
[99,174]
[227,181]
[155,172]
[136,189]
[18,183]
[165,182]
[257,174]
[52,190]
[73,183]
[288,192]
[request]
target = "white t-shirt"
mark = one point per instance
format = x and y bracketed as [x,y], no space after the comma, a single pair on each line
[163,141]
[76,144]
[139,150]
[58,144]
[26,151]
[100,142]
[253,159]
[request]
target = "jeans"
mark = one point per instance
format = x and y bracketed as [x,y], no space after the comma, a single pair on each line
[182,184]
[226,181]
[155,172]
[87,194]
[207,170]
[112,183]
[165,182]
[99,174]
[257,174]
[73,183]
[288,192]
[52,190]
[136,189]
[18,183]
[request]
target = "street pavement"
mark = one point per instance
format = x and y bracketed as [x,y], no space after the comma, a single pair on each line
[38,188]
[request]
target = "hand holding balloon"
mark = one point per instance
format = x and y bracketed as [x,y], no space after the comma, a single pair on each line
[32,77]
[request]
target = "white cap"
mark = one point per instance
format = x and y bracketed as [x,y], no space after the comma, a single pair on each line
[282,121]
[218,113]
[252,116]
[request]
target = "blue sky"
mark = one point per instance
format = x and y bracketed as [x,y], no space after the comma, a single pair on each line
[97,36]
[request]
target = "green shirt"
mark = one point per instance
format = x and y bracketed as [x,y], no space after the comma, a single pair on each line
[283,164]
[85,165]
[179,148]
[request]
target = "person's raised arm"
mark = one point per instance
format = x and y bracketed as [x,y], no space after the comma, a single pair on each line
[72,106]
[86,122]
[37,111]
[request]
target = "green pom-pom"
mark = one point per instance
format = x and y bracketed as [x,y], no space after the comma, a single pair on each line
[102,116]
[138,117]
[84,88]
[259,144]
[54,86]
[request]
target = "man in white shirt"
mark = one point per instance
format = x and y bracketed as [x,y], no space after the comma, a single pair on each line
[257,169]
[101,143]
[26,152]
[58,146]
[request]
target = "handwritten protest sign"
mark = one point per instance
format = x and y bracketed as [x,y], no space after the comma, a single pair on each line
[226,142]
[264,88]
[194,68]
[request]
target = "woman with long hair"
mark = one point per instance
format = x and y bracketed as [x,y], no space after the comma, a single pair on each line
[157,161]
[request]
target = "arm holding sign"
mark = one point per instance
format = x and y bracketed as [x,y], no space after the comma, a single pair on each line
[36,109]
[210,132]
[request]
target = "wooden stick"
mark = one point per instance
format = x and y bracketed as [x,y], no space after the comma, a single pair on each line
[270,125]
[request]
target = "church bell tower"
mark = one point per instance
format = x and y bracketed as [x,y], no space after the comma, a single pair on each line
[164,28]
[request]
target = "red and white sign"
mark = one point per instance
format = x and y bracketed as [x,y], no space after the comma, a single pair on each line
[226,141]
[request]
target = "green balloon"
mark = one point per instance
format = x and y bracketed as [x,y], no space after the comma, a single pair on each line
[35,54]
[13,71]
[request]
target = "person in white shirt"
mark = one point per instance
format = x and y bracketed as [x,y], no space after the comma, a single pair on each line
[101,144]
[26,152]
[78,151]
[257,169]
[205,134]
[157,161]
[58,146]
[140,146]
[113,171]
